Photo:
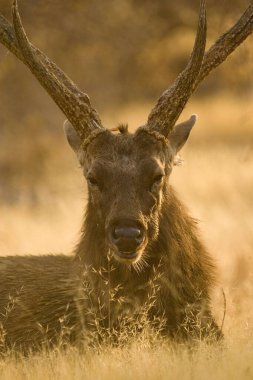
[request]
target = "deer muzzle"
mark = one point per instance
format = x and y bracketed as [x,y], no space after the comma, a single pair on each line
[126,238]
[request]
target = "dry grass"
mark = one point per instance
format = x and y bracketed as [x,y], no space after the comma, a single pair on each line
[216,182]
[234,361]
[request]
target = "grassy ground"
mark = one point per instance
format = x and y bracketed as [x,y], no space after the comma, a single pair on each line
[216,182]
[162,361]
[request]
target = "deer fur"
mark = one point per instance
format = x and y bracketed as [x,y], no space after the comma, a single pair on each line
[39,294]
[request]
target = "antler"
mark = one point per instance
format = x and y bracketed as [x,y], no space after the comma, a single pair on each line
[171,103]
[226,44]
[74,103]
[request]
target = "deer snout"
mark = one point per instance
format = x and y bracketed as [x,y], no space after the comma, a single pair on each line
[126,239]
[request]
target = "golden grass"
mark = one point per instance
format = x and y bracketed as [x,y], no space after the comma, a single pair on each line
[216,182]
[161,362]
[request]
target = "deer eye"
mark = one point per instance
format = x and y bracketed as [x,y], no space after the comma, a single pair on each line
[156,182]
[158,179]
[92,180]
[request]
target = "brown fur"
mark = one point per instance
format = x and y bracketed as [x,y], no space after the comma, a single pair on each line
[45,300]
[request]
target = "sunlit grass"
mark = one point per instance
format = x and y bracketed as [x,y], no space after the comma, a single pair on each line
[231,361]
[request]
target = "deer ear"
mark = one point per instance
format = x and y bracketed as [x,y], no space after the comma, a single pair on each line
[181,132]
[73,139]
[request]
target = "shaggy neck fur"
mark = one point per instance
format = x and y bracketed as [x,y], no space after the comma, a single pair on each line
[177,250]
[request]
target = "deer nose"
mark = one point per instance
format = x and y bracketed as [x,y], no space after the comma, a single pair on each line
[126,238]
[126,232]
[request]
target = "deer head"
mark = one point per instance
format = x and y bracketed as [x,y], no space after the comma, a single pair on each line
[127,174]
[127,177]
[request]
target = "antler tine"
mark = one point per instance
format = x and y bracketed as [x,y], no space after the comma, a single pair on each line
[170,105]
[8,39]
[74,103]
[226,44]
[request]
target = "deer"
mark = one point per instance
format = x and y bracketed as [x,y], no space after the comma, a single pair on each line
[136,231]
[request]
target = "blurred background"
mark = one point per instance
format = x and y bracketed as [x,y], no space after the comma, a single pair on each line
[124,53]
